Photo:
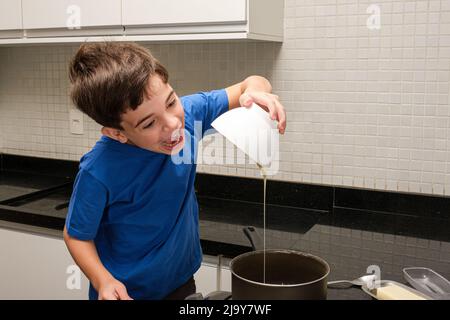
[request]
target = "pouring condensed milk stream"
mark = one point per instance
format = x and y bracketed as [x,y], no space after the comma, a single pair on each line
[263,173]
[251,130]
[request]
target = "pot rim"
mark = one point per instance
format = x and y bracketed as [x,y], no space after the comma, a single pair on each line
[242,256]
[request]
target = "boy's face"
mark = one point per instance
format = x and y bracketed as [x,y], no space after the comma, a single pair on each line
[157,124]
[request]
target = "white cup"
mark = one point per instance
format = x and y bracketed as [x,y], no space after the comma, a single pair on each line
[251,130]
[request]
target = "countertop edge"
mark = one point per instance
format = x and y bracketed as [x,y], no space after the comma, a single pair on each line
[41,231]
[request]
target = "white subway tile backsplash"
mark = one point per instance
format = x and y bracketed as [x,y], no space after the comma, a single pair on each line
[366,108]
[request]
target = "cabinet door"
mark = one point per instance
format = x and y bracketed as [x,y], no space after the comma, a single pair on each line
[38,267]
[206,279]
[45,14]
[160,12]
[10,14]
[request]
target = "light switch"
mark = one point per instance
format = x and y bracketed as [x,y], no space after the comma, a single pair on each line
[76,121]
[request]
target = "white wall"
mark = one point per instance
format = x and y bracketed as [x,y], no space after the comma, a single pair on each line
[366,108]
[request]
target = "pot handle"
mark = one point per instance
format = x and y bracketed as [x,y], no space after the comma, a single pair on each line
[253,236]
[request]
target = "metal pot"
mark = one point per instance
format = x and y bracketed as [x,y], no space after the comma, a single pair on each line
[289,275]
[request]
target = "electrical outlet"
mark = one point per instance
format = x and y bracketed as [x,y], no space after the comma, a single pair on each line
[76,121]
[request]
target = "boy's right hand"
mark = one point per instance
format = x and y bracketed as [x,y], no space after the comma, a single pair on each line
[113,289]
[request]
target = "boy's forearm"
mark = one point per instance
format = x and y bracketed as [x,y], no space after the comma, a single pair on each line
[85,255]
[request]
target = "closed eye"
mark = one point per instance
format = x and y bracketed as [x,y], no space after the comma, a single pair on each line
[171,104]
[149,125]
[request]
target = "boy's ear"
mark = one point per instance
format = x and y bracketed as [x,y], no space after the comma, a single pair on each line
[115,134]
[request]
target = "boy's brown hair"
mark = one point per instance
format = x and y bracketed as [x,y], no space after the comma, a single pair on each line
[109,78]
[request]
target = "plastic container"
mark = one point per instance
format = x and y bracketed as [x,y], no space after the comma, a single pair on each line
[412,293]
[252,131]
[428,281]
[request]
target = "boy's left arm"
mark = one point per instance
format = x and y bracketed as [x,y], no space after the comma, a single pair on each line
[257,89]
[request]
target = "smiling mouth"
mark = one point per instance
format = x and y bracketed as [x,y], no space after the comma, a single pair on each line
[172,144]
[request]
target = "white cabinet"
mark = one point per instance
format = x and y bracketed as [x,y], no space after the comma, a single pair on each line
[206,278]
[38,267]
[10,14]
[75,21]
[65,17]
[204,19]
[10,18]
[158,12]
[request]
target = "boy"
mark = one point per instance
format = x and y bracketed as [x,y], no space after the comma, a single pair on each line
[132,225]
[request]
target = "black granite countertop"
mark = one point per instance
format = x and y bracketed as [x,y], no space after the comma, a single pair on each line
[350,240]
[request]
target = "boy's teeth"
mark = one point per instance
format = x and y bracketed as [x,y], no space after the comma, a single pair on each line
[171,144]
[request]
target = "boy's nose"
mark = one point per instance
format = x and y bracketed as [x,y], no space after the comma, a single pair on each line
[171,124]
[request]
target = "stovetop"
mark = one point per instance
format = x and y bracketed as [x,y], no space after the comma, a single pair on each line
[26,192]
[15,184]
[54,204]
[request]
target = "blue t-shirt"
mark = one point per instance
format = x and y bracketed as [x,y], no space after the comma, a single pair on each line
[140,207]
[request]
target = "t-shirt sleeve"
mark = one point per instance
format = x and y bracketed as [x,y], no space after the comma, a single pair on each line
[207,106]
[86,207]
